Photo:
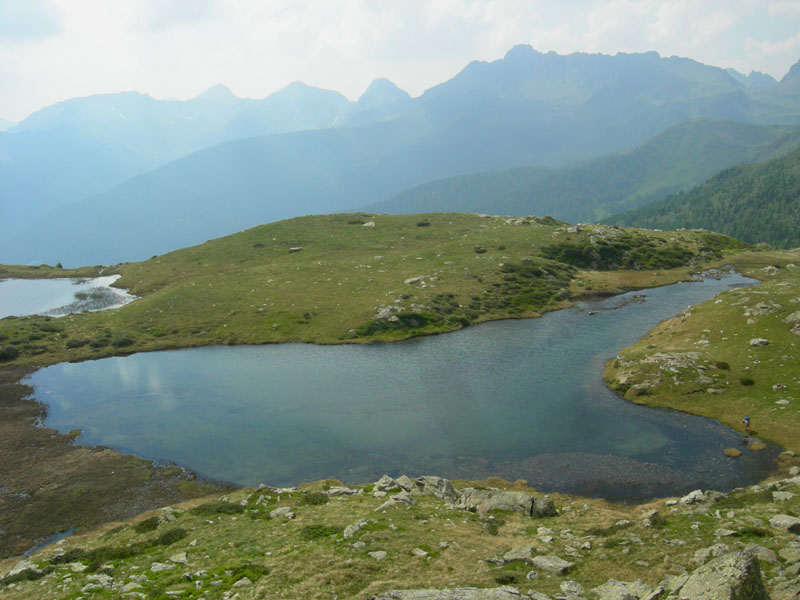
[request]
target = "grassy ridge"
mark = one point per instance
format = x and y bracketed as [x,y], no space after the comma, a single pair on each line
[702,361]
[362,278]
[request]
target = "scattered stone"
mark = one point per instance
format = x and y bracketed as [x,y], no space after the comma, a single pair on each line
[794,471]
[623,590]
[695,497]
[369,224]
[553,564]
[715,551]
[729,577]
[243,582]
[755,342]
[295,249]
[377,555]
[786,523]
[157,567]
[466,593]
[414,280]
[26,565]
[282,511]
[571,588]
[384,484]
[782,496]
[761,553]
[790,555]
[722,532]
[77,567]
[523,554]
[338,490]
[350,530]
[179,558]
[359,545]
[733,452]
[419,553]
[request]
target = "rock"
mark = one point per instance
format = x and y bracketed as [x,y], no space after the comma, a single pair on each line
[243,582]
[384,483]
[695,497]
[793,318]
[786,523]
[399,498]
[794,471]
[554,564]
[414,280]
[734,576]
[571,588]
[435,486]
[129,587]
[295,249]
[623,590]
[722,532]
[377,555]
[350,530]
[77,567]
[338,490]
[761,553]
[26,565]
[419,553]
[369,224]
[179,558]
[101,579]
[466,593]
[483,500]
[523,554]
[755,342]
[282,511]
[733,452]
[157,567]
[405,482]
[702,555]
[782,496]
[790,555]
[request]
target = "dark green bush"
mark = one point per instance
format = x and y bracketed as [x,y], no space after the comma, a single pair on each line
[122,340]
[146,525]
[218,508]
[746,381]
[316,498]
[722,365]
[171,536]
[8,352]
[318,532]
[77,343]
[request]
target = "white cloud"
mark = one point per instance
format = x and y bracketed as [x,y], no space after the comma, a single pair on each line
[177,48]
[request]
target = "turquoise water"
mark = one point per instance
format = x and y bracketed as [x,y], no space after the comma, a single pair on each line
[519,399]
[58,297]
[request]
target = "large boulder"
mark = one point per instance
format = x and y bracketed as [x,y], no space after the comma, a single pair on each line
[482,500]
[626,590]
[734,576]
[786,523]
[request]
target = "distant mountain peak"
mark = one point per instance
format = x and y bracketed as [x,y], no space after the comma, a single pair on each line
[793,73]
[219,94]
[381,92]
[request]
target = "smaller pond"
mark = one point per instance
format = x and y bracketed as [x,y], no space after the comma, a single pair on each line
[59,297]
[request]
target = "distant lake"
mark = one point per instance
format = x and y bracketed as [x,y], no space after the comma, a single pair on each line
[518,399]
[59,297]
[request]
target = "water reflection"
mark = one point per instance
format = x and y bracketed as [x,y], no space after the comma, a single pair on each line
[59,297]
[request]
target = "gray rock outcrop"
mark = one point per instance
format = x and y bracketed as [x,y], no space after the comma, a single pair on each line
[483,500]
[625,590]
[734,576]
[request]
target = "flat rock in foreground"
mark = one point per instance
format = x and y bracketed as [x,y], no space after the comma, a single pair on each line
[466,593]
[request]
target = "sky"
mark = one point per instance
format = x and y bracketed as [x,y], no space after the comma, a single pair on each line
[53,50]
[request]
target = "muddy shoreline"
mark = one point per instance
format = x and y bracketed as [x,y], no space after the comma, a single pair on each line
[48,484]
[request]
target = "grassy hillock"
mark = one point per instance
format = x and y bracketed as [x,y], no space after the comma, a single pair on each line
[361,278]
[707,361]
[756,203]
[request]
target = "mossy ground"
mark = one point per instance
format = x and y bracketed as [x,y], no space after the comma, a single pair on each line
[308,557]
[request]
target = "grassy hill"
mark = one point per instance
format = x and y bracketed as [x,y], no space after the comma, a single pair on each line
[361,278]
[677,159]
[756,203]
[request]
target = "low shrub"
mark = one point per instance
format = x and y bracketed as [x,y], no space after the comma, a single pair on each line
[171,536]
[746,381]
[218,508]
[316,498]
[8,352]
[146,525]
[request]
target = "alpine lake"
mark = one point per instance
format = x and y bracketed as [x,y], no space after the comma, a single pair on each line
[517,399]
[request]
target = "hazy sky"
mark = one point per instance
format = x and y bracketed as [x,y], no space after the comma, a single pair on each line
[51,50]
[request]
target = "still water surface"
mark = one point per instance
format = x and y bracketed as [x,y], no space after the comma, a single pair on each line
[59,297]
[520,399]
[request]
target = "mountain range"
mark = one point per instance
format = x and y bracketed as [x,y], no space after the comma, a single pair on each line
[100,180]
